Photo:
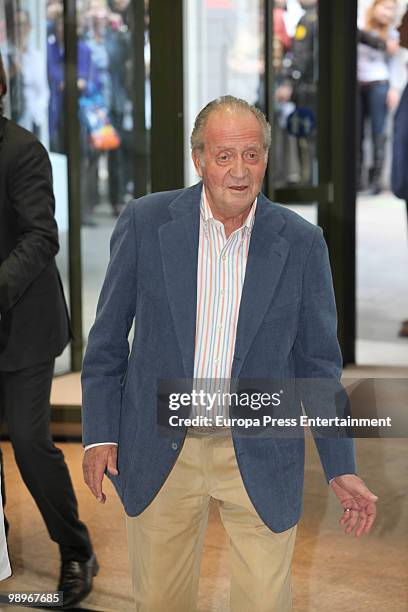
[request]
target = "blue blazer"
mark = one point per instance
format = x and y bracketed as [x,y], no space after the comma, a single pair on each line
[286,328]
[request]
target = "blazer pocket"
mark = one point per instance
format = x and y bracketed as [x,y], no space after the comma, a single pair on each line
[280,310]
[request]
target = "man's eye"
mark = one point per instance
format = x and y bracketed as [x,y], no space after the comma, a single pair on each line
[252,155]
[223,157]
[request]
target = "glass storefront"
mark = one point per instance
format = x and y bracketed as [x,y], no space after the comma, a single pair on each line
[295,63]
[381,247]
[224,43]
[35,100]
[223,54]
[111,120]
[108,140]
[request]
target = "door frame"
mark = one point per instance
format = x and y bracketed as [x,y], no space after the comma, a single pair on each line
[335,194]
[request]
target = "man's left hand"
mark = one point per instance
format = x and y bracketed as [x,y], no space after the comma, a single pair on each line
[358,503]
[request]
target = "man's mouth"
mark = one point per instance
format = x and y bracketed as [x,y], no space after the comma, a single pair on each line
[239,187]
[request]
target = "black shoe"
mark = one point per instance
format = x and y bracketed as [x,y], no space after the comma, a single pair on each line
[76,580]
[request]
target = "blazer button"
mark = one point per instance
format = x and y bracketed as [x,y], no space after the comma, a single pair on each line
[174,446]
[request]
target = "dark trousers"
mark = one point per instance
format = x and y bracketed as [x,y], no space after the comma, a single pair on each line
[373,105]
[24,402]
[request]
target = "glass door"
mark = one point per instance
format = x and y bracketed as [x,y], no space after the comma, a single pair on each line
[294,59]
[113,55]
[79,79]
[224,53]
[30,32]
[310,99]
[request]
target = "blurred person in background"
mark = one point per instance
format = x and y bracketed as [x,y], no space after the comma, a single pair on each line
[120,111]
[56,75]
[28,76]
[34,329]
[286,165]
[123,108]
[399,174]
[109,40]
[52,9]
[88,84]
[299,84]
[378,75]
[94,37]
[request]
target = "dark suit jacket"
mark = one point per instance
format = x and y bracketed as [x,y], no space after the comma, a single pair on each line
[34,324]
[286,329]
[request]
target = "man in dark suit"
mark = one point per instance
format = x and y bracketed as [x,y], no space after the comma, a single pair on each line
[34,329]
[221,284]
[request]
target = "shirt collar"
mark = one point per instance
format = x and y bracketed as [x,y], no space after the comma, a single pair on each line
[207,215]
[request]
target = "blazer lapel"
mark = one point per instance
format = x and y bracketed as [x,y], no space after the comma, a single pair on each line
[179,250]
[266,259]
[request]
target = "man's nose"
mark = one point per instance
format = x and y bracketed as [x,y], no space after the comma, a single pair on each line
[238,169]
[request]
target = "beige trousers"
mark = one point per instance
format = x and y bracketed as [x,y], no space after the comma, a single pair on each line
[166,540]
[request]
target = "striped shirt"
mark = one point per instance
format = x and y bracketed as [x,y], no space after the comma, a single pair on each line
[220,278]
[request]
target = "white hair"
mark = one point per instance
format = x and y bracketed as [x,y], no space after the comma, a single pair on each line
[227,102]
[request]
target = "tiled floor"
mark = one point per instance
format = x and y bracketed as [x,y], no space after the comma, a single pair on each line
[331,571]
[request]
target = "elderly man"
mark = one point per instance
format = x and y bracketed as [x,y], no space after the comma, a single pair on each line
[221,283]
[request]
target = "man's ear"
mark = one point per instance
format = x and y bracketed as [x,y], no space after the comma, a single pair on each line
[197,163]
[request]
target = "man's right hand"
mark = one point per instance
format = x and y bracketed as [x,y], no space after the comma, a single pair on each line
[96,461]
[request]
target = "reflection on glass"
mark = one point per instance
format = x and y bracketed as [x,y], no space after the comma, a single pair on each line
[27,76]
[223,54]
[106,105]
[107,89]
[29,33]
[381,218]
[56,75]
[295,91]
[32,44]
[380,75]
[103,39]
